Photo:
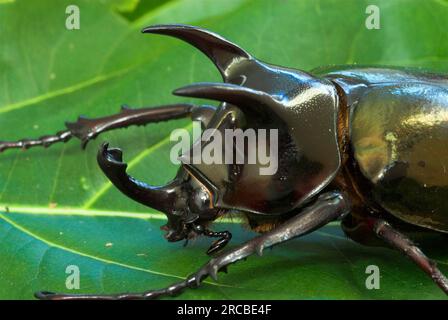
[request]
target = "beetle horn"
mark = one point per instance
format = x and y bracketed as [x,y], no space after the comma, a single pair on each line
[226,92]
[222,52]
[111,162]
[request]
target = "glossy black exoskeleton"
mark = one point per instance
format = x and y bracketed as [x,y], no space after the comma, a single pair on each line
[365,145]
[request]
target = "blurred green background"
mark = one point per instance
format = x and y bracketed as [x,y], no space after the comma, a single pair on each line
[62,210]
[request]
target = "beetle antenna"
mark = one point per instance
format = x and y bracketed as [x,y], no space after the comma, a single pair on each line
[225,237]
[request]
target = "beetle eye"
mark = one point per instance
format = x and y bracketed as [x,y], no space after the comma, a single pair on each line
[201,199]
[177,212]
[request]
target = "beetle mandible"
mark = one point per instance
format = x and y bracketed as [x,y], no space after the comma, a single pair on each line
[365,145]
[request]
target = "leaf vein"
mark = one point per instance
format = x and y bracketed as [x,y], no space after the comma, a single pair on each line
[100,259]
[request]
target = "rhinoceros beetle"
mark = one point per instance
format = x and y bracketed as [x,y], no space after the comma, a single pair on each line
[365,145]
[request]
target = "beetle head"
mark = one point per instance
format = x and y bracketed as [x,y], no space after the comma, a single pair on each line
[189,210]
[185,201]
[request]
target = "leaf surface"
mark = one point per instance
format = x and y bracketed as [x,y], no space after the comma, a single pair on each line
[63,211]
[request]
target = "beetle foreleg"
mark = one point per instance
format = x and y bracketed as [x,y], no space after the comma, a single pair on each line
[44,141]
[399,241]
[328,207]
[87,129]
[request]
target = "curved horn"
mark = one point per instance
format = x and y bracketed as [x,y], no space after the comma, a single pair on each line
[110,161]
[231,93]
[222,52]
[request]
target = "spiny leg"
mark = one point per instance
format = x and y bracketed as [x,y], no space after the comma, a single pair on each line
[87,129]
[328,207]
[224,54]
[399,241]
[44,141]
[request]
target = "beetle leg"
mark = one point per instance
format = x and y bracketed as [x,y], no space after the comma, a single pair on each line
[44,141]
[87,129]
[402,243]
[328,207]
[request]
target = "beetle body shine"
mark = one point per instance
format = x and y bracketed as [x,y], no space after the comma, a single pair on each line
[398,136]
[365,145]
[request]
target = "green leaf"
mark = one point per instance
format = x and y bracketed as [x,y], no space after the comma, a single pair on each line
[62,210]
